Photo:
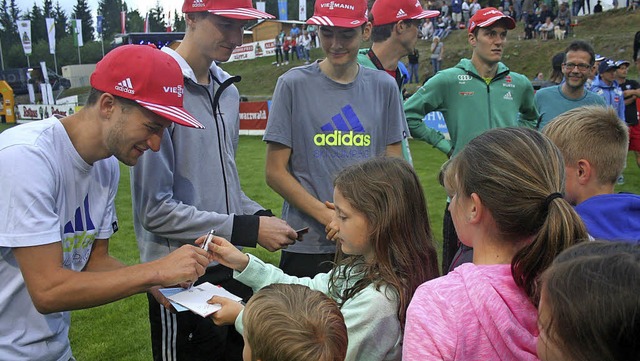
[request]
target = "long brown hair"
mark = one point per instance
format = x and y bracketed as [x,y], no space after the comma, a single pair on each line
[388,193]
[514,171]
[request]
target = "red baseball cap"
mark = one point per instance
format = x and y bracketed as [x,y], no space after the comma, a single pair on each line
[234,9]
[488,16]
[392,11]
[341,13]
[148,76]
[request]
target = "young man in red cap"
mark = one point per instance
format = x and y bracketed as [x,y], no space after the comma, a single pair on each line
[192,186]
[325,116]
[476,95]
[394,34]
[59,183]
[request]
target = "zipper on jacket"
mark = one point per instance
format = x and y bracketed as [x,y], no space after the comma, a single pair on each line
[215,108]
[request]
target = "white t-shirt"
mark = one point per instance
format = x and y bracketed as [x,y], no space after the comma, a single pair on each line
[49,194]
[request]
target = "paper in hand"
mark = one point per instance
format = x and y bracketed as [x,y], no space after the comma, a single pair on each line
[195,298]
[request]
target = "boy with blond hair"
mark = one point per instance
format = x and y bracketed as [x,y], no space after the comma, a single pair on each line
[593,142]
[293,322]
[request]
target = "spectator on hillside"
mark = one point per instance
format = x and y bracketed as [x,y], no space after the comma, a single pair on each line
[427,29]
[414,64]
[546,28]
[597,8]
[563,19]
[465,12]
[545,13]
[286,48]
[437,52]
[594,71]
[577,5]
[474,7]
[278,44]
[306,46]
[312,30]
[294,32]
[530,24]
[456,11]
[444,9]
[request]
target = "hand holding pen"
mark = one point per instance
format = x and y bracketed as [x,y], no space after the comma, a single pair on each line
[205,246]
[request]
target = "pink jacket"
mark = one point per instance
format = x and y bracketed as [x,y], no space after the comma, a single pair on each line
[473,313]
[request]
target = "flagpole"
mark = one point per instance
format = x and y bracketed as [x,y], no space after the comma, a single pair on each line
[55,62]
[28,62]
[1,56]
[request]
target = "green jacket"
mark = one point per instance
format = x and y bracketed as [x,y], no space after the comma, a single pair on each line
[469,105]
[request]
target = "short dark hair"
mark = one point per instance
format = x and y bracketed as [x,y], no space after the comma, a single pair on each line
[581,45]
[95,94]
[381,33]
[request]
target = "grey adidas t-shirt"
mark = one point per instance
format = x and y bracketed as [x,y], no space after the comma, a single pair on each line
[329,126]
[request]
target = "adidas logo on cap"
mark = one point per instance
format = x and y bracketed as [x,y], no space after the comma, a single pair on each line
[401,13]
[125,86]
[197,4]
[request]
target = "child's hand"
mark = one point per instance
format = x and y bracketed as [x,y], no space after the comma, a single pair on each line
[221,250]
[228,313]
[332,227]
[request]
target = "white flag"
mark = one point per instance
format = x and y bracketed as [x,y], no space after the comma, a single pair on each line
[302,10]
[24,30]
[261,6]
[78,31]
[51,30]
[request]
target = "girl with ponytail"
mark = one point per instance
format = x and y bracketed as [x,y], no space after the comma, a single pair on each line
[506,190]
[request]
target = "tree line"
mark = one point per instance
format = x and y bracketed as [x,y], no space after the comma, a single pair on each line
[66,53]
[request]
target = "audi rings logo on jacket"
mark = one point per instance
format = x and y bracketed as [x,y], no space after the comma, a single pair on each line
[464,77]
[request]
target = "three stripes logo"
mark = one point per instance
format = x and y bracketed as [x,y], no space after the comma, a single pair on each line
[197,4]
[400,14]
[79,234]
[343,131]
[125,86]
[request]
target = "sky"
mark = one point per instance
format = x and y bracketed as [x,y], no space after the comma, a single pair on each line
[141,5]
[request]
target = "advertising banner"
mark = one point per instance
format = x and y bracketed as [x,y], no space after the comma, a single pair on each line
[39,112]
[24,30]
[282,10]
[51,32]
[253,115]
[254,50]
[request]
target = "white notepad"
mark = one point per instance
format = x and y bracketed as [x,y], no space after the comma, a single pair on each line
[195,299]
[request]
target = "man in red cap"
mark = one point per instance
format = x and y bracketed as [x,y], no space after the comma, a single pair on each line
[394,34]
[192,186]
[324,117]
[476,95]
[59,182]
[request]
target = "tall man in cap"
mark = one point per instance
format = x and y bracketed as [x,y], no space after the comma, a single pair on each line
[394,34]
[476,95]
[324,117]
[192,186]
[59,182]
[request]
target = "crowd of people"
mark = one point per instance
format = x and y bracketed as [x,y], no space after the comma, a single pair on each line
[530,181]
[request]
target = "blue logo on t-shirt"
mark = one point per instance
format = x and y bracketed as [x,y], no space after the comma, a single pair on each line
[343,131]
[78,236]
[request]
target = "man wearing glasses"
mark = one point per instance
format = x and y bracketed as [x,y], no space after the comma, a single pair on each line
[579,58]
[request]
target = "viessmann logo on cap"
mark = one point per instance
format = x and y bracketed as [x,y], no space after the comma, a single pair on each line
[335,5]
[179,90]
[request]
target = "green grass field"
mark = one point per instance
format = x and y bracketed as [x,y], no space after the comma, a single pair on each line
[120,330]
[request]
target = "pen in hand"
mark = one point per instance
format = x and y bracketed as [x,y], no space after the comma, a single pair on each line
[205,246]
